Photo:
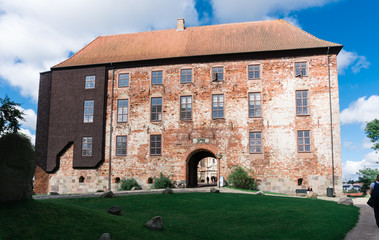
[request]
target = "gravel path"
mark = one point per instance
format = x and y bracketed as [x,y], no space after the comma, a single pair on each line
[366,228]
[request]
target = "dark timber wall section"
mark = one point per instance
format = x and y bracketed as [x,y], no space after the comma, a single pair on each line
[65,124]
[43,118]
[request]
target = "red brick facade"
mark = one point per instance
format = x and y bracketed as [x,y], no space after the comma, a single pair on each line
[280,165]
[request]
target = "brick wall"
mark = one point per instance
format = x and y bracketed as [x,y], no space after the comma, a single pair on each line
[277,168]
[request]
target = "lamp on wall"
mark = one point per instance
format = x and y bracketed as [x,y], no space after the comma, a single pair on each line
[219,156]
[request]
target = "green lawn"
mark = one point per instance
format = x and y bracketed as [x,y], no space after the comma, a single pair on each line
[185,216]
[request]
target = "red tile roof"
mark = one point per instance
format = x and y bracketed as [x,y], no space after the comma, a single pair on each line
[273,35]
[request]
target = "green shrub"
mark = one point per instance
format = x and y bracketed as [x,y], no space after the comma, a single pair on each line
[240,178]
[128,184]
[162,182]
[353,190]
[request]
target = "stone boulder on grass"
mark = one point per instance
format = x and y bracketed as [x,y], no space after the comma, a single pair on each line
[312,195]
[156,223]
[17,166]
[346,201]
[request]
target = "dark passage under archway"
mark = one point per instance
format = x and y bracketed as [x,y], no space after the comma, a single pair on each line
[192,162]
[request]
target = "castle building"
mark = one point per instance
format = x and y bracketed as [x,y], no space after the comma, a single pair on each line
[261,95]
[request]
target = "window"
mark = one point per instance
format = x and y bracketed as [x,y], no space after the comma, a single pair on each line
[186,108]
[303,141]
[121,145]
[123,80]
[90,82]
[155,145]
[255,142]
[156,77]
[88,111]
[254,104]
[81,179]
[185,75]
[299,181]
[300,69]
[87,146]
[218,106]
[156,109]
[254,72]
[302,102]
[122,110]
[217,74]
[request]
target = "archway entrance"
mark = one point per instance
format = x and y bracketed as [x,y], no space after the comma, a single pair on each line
[199,172]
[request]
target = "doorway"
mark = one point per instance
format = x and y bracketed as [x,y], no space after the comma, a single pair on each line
[195,170]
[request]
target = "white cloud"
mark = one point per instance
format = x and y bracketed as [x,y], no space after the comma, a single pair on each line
[29,134]
[349,145]
[346,59]
[241,10]
[37,34]
[30,119]
[293,21]
[367,144]
[361,63]
[361,111]
[350,168]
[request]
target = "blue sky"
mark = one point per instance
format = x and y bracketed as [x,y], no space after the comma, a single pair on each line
[37,34]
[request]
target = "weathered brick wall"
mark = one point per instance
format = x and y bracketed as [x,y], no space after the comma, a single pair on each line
[278,167]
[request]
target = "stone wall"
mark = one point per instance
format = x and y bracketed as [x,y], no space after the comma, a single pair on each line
[277,168]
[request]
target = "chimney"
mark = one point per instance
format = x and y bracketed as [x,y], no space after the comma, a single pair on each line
[180,25]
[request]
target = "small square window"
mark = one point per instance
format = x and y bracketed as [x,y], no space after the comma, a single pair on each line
[185,75]
[254,72]
[301,69]
[90,82]
[123,80]
[156,77]
[217,74]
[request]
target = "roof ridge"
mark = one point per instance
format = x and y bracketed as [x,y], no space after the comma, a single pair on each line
[77,52]
[241,37]
[307,33]
[203,26]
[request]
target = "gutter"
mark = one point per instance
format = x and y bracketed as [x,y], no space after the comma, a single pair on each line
[110,136]
[331,123]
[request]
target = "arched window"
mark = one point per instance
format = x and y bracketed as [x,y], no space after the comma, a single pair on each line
[299,181]
[81,179]
[117,180]
[150,180]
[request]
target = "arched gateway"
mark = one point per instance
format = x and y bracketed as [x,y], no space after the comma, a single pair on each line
[192,162]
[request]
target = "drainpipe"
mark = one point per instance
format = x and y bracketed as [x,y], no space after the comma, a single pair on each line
[331,122]
[110,135]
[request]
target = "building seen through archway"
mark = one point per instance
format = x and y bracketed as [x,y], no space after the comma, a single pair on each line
[200,165]
[207,171]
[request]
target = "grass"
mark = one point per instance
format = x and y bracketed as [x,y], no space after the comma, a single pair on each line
[185,216]
[255,191]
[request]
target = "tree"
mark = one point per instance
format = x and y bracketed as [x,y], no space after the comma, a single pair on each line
[372,132]
[9,116]
[367,176]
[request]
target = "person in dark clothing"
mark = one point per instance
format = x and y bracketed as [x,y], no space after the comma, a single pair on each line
[207,180]
[374,193]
